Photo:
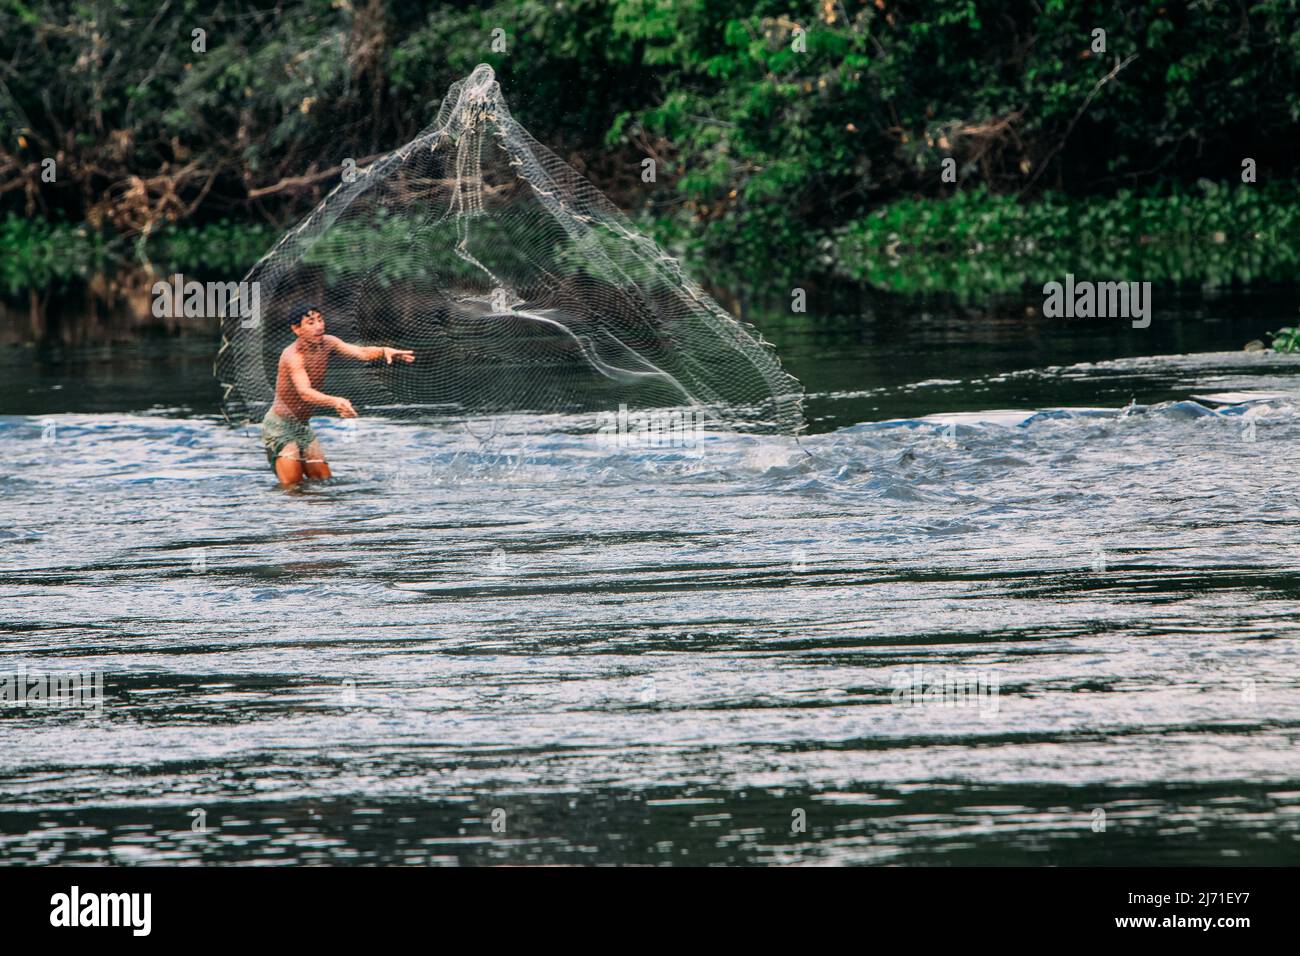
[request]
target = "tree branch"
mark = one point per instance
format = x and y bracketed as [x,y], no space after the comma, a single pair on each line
[1070,129]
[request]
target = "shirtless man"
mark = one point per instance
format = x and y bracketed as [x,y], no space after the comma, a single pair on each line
[291,446]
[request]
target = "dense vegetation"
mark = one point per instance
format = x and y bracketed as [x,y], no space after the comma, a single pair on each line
[974,242]
[780,130]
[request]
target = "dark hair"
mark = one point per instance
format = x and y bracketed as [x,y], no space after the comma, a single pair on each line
[299,310]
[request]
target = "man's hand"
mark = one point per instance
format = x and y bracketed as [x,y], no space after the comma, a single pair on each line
[344,408]
[367,353]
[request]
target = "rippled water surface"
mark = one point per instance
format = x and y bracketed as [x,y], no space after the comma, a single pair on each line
[469,649]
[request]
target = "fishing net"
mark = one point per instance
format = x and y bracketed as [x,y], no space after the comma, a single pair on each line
[519,287]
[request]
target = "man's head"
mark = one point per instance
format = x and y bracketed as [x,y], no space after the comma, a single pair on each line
[306,321]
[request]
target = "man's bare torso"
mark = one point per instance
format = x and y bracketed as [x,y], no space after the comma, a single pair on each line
[315,361]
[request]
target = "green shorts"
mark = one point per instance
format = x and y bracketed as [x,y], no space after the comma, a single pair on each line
[278,431]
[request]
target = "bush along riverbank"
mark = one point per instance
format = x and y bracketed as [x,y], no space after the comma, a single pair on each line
[976,243]
[36,253]
[971,245]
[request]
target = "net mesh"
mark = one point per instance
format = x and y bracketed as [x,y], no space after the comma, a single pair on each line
[516,283]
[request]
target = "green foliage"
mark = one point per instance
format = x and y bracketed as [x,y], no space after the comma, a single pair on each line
[1286,340]
[37,252]
[220,248]
[769,145]
[762,148]
[977,242]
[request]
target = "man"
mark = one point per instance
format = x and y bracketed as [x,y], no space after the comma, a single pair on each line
[291,446]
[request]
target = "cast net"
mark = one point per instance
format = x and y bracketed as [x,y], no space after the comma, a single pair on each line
[519,287]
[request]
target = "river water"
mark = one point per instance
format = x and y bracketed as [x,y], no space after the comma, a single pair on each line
[1020,596]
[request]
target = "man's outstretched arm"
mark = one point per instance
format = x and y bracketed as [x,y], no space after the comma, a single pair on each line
[369,353]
